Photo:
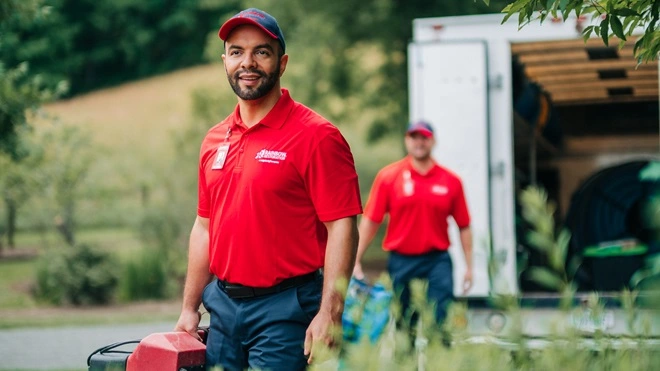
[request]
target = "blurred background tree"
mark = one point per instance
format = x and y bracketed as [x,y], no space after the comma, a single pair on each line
[95,44]
[21,91]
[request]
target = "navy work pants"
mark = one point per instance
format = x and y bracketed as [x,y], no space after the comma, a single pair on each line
[265,332]
[436,267]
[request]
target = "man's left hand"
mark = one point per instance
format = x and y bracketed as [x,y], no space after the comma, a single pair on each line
[467,281]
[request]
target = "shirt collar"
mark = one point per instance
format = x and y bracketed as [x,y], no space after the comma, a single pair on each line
[277,115]
[409,166]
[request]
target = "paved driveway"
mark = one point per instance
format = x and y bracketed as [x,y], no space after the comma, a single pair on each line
[65,348]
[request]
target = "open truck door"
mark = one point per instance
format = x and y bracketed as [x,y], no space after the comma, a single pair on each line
[449,89]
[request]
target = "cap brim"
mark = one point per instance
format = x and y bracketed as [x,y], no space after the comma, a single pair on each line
[229,26]
[425,133]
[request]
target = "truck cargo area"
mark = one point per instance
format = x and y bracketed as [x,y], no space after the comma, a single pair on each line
[586,123]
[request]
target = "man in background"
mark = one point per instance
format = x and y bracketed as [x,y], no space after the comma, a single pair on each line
[419,195]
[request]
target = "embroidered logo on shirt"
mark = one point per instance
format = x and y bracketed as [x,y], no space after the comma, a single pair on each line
[439,189]
[273,157]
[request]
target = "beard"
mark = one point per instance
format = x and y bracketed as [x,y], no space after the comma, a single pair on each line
[252,93]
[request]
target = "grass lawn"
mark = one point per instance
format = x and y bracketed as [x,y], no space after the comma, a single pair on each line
[137,117]
[15,278]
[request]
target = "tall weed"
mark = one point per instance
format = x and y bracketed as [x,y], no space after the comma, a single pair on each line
[146,276]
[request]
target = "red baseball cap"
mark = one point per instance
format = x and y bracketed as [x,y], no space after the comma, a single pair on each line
[257,18]
[421,127]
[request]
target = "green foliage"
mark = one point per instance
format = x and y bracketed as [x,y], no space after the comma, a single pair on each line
[146,276]
[651,171]
[20,92]
[50,182]
[99,43]
[79,275]
[67,157]
[16,273]
[157,271]
[647,279]
[159,228]
[18,182]
[539,213]
[620,18]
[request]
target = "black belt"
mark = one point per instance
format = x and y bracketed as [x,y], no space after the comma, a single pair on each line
[236,291]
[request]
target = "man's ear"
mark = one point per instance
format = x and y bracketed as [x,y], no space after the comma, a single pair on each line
[283,62]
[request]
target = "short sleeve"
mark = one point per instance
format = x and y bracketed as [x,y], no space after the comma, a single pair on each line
[332,180]
[378,202]
[460,211]
[203,208]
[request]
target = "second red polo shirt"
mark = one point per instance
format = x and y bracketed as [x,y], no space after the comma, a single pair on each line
[418,207]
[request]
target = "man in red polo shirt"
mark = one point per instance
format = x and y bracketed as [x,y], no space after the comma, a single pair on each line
[419,195]
[277,201]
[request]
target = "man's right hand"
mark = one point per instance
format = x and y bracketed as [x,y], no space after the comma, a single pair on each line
[357,271]
[188,322]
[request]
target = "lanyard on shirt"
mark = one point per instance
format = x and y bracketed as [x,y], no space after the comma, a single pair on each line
[223,150]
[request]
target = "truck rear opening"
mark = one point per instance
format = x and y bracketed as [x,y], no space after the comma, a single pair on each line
[586,124]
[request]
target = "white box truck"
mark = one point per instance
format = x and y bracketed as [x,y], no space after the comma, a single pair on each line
[539,105]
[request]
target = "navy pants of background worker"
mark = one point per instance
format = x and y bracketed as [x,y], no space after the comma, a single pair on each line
[436,267]
[264,332]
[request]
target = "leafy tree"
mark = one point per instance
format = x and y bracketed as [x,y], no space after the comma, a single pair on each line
[17,182]
[20,92]
[620,18]
[95,44]
[67,158]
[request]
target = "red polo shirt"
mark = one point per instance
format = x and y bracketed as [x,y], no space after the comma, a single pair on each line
[282,178]
[418,207]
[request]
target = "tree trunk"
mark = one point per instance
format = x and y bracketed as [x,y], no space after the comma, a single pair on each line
[66,224]
[12,211]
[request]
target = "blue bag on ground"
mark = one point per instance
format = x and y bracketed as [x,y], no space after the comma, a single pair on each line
[366,310]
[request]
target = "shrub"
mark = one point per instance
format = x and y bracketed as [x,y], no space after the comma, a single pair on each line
[156,270]
[79,275]
[146,277]
[160,228]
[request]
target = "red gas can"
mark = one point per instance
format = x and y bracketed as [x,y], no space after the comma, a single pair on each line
[165,351]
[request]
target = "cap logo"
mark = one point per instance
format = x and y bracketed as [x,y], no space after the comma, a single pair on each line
[251,14]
